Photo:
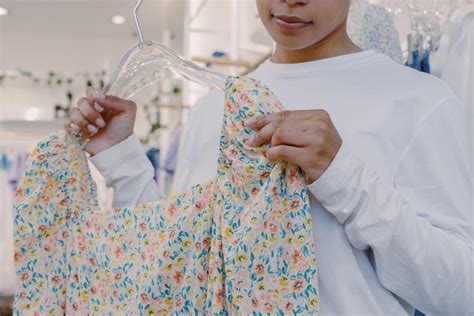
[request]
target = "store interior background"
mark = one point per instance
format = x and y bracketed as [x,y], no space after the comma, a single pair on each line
[52,48]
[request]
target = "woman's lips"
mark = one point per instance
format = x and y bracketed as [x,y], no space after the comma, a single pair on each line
[290,22]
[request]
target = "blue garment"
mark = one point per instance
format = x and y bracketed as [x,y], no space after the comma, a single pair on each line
[153,155]
[172,155]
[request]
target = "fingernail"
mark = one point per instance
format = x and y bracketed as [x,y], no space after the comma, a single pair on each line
[100,122]
[91,128]
[98,107]
[74,126]
[250,122]
[98,95]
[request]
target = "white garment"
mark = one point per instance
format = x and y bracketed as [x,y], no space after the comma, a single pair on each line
[454,64]
[372,27]
[392,214]
[7,265]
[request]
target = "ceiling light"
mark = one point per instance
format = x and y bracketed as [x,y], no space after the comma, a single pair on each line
[3,11]
[118,19]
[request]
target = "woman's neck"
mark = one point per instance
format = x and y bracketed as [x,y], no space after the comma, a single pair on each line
[336,44]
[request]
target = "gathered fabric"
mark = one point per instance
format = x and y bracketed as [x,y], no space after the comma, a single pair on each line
[240,243]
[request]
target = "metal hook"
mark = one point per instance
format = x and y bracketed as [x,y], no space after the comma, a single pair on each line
[137,23]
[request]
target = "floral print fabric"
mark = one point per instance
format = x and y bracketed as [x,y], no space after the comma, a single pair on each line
[241,243]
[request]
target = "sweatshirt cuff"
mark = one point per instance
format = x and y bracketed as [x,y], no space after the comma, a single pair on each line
[334,189]
[127,154]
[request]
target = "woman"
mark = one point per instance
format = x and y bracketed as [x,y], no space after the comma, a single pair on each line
[382,147]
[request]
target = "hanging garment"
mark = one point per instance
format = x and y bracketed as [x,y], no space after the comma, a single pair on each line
[172,154]
[372,27]
[239,243]
[153,155]
[454,64]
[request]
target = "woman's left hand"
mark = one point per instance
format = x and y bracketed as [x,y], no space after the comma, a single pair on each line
[306,138]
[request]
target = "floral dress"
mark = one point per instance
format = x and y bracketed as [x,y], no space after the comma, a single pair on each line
[241,243]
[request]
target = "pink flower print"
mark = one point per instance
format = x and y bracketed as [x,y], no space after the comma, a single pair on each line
[18,256]
[19,193]
[268,308]
[25,276]
[229,106]
[255,303]
[42,229]
[93,290]
[289,306]
[244,98]
[259,268]
[45,199]
[218,296]
[264,175]
[152,258]
[41,157]
[200,205]
[166,254]
[273,228]
[197,246]
[299,285]
[297,256]
[144,298]
[292,175]
[103,294]
[110,227]
[178,277]
[75,306]
[172,209]
[289,226]
[118,252]
[207,242]
[81,247]
[295,204]
[143,256]
[242,280]
[179,302]
[92,262]
[56,280]
[143,227]
[22,295]
[200,277]
[232,153]
[254,191]
[118,276]
[172,234]
[75,278]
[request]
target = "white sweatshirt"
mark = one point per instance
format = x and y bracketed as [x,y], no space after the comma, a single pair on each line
[392,214]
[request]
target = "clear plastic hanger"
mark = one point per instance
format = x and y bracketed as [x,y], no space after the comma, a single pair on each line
[144,63]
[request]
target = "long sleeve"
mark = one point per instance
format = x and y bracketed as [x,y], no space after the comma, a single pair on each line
[419,226]
[128,171]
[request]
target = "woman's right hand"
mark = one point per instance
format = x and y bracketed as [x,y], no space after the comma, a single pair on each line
[104,120]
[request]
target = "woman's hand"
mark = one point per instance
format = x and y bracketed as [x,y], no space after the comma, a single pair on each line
[104,120]
[306,138]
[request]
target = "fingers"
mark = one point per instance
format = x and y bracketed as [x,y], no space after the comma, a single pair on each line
[262,120]
[284,152]
[93,93]
[266,133]
[90,114]
[116,104]
[78,119]
[289,136]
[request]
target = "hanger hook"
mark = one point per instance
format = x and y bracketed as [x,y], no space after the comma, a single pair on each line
[137,23]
